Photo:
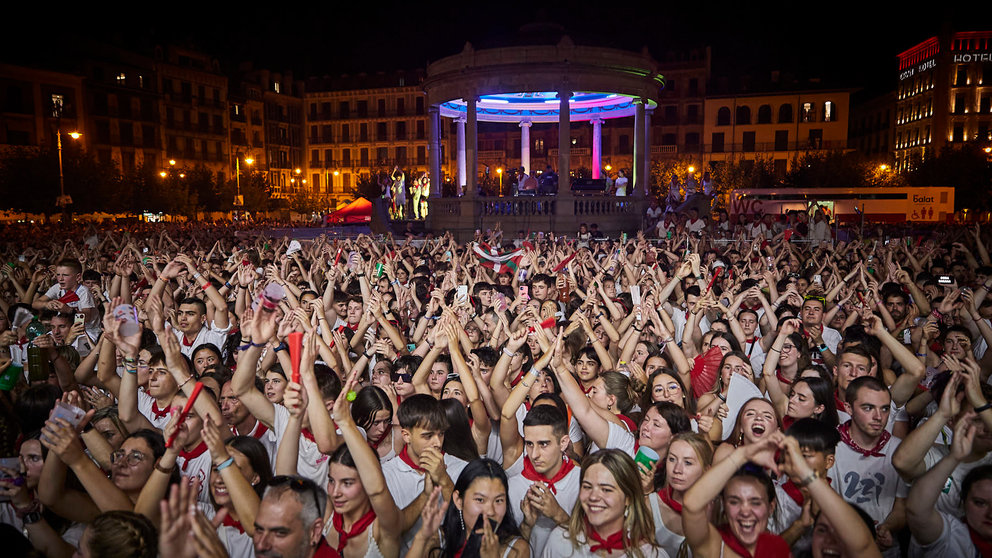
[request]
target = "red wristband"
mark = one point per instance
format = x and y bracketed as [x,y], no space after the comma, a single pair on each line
[205,286]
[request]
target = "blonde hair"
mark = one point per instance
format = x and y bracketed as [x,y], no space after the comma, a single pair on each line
[638,524]
[699,444]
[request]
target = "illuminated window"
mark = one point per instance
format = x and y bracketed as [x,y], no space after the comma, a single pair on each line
[57,101]
[141,81]
[275,86]
[539,145]
[807,113]
[121,79]
[828,112]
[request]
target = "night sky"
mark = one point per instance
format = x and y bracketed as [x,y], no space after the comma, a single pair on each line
[843,44]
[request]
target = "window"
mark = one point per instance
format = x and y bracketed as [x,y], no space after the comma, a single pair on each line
[401,130]
[326,135]
[983,105]
[816,138]
[961,76]
[781,140]
[421,155]
[539,145]
[784,113]
[343,110]
[401,155]
[669,139]
[363,109]
[420,105]
[743,115]
[983,131]
[127,133]
[345,133]
[345,157]
[765,114]
[382,107]
[958,133]
[400,107]
[716,143]
[382,155]
[623,144]
[102,131]
[57,102]
[420,129]
[121,79]
[381,132]
[723,116]
[692,141]
[959,104]
[828,112]
[693,86]
[807,113]
[147,136]
[671,115]
[748,142]
[314,157]
[693,115]
[363,132]
[275,86]
[781,165]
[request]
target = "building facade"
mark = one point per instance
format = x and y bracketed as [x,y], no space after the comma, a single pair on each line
[872,128]
[777,126]
[34,103]
[943,96]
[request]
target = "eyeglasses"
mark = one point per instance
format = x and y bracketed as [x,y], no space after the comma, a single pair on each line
[787,348]
[132,459]
[298,485]
[407,378]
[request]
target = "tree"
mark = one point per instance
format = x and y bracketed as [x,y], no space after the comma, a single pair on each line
[368,187]
[29,180]
[256,191]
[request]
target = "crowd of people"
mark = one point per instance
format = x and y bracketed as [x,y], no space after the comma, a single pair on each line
[726,390]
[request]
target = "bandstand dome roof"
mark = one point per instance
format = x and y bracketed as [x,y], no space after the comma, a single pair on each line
[523,82]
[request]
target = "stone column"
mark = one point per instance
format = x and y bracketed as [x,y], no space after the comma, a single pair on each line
[564,141]
[525,145]
[472,147]
[597,146]
[647,149]
[434,149]
[638,166]
[462,179]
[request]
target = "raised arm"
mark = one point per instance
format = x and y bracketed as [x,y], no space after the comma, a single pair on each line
[256,330]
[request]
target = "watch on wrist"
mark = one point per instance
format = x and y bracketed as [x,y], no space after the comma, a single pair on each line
[31,518]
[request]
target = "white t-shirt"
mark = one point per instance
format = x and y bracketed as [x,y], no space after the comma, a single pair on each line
[949,500]
[566,494]
[954,542]
[406,483]
[679,320]
[213,334]
[668,540]
[870,482]
[148,406]
[85,301]
[197,464]
[618,438]
[560,546]
[310,463]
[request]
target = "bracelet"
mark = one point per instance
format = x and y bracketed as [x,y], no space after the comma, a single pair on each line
[228,285]
[130,360]
[197,275]
[130,370]
[921,354]
[774,350]
[161,469]
[186,381]
[983,408]
[366,355]
[244,347]
[822,348]
[257,345]
[509,353]
[808,480]
[206,285]
[281,347]
[225,464]
[638,328]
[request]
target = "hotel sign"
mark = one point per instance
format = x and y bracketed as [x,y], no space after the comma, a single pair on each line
[973,57]
[921,67]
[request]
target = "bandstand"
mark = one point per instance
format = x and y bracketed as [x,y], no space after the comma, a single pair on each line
[564,83]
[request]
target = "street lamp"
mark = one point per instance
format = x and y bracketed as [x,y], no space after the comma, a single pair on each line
[172,162]
[499,171]
[237,178]
[692,169]
[162,174]
[883,167]
[64,200]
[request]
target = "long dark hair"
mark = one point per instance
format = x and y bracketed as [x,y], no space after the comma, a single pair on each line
[458,440]
[453,530]
[257,456]
[823,394]
[370,400]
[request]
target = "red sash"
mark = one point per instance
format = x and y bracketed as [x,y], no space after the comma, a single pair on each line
[358,528]
[769,545]
[188,456]
[530,473]
[845,436]
[665,494]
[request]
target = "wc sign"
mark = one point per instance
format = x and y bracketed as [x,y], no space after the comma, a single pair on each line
[921,208]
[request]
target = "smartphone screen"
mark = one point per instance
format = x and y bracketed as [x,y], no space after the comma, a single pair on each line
[525,292]
[945,280]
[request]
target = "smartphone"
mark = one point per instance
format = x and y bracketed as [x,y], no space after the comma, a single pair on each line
[945,280]
[817,279]
[79,318]
[523,275]
[635,294]
[70,413]
[525,292]
[501,298]
[12,463]
[462,292]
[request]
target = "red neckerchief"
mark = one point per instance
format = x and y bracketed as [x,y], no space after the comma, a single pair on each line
[519,377]
[585,390]
[352,327]
[259,430]
[324,550]
[356,529]
[669,500]
[305,432]
[158,411]
[375,444]
[187,342]
[458,553]
[983,546]
[838,402]
[527,404]
[781,378]
[406,459]
[845,436]
[188,456]
[69,297]
[231,522]
[769,545]
[787,421]
[609,544]
[795,492]
[531,474]
[631,425]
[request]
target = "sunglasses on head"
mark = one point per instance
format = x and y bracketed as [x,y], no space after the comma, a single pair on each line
[298,485]
[407,378]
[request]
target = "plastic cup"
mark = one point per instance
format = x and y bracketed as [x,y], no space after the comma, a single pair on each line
[646,456]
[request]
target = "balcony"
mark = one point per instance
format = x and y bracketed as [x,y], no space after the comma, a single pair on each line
[664,149]
[580,151]
[764,147]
